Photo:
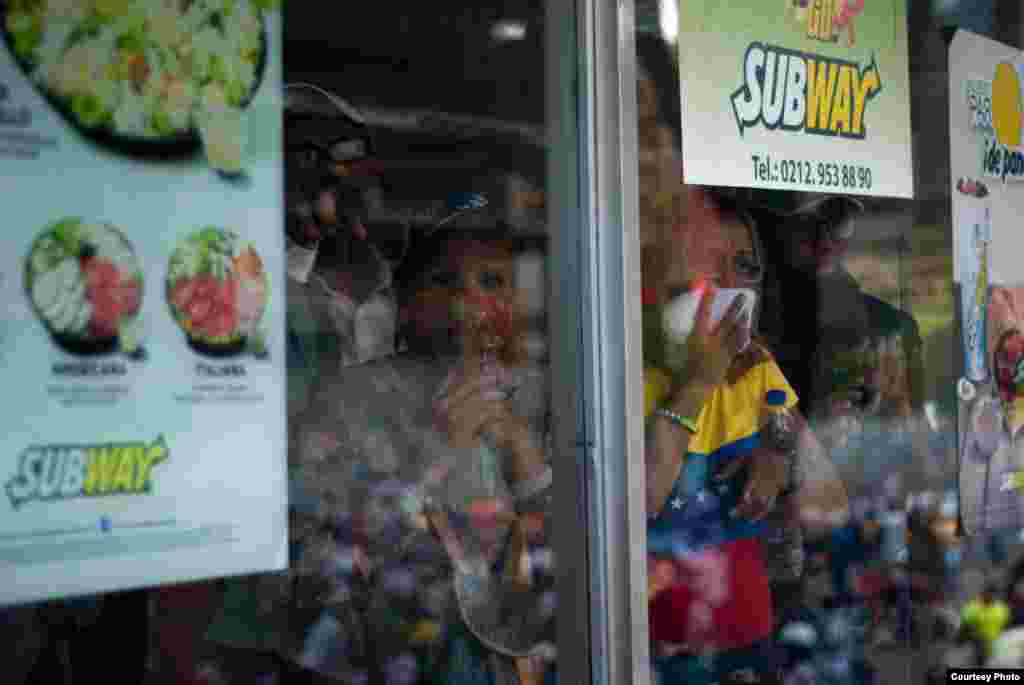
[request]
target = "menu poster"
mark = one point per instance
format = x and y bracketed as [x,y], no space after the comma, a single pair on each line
[987,167]
[809,95]
[141,277]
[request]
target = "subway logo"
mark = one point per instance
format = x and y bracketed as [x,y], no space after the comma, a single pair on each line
[63,472]
[795,91]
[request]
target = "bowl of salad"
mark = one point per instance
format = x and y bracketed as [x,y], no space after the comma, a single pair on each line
[85,284]
[217,291]
[145,77]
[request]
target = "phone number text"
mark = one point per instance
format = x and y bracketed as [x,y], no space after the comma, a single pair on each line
[768,169]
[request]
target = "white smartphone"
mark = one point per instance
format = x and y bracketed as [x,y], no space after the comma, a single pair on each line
[720,305]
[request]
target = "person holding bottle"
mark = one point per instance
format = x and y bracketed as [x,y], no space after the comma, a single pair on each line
[711,483]
[855,359]
[691,235]
[429,484]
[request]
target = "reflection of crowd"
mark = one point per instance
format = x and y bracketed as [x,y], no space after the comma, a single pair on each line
[418,456]
[420,476]
[878,574]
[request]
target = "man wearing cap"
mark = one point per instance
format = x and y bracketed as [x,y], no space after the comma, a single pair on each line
[340,301]
[862,390]
[340,311]
[867,353]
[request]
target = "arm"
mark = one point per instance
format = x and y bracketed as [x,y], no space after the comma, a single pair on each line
[499,597]
[819,487]
[710,351]
[669,443]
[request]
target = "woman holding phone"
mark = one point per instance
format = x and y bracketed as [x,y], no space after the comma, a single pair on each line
[439,453]
[714,492]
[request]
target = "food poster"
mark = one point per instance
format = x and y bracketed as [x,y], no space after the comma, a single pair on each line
[987,165]
[809,95]
[142,278]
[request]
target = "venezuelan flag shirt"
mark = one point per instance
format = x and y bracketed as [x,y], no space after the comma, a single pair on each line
[708,580]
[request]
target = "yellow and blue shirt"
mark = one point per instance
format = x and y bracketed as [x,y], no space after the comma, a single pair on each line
[697,534]
[696,513]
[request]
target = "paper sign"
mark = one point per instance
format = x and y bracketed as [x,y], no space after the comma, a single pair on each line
[141,277]
[807,95]
[987,165]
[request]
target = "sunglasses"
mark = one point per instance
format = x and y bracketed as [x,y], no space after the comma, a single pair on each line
[312,155]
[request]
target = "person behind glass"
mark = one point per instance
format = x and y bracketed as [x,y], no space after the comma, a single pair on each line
[339,296]
[710,488]
[455,426]
[1015,593]
[983,620]
[864,349]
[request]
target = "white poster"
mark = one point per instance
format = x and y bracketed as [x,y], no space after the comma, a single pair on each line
[810,95]
[987,159]
[142,278]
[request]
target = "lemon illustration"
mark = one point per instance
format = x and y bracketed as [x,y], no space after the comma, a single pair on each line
[1006,105]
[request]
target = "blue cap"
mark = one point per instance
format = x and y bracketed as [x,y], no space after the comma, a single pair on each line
[775,398]
[461,201]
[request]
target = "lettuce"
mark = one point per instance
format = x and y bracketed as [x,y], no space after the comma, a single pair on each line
[68,233]
[218,70]
[161,123]
[27,31]
[88,28]
[111,8]
[131,42]
[236,92]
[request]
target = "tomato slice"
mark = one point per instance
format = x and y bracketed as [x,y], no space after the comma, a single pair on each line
[227,294]
[182,292]
[105,318]
[222,324]
[130,296]
[199,310]
[101,271]
[206,286]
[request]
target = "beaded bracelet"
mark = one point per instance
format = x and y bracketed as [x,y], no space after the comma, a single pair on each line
[677,419]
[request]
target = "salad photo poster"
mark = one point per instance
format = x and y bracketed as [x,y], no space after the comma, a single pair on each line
[142,280]
[987,165]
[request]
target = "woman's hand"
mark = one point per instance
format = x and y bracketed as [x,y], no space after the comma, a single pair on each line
[711,349]
[710,352]
[470,411]
[467,411]
[767,480]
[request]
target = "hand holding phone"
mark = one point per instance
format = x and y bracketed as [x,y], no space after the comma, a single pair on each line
[720,305]
[680,315]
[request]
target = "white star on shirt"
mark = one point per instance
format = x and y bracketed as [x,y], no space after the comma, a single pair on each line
[677,503]
[701,496]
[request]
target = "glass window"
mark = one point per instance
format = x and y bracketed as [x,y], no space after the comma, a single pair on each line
[423,341]
[863,572]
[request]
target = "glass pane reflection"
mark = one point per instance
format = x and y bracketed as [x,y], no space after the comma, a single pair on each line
[860,326]
[418,378]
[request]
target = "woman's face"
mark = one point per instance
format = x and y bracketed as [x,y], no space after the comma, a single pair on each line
[712,246]
[465,302]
